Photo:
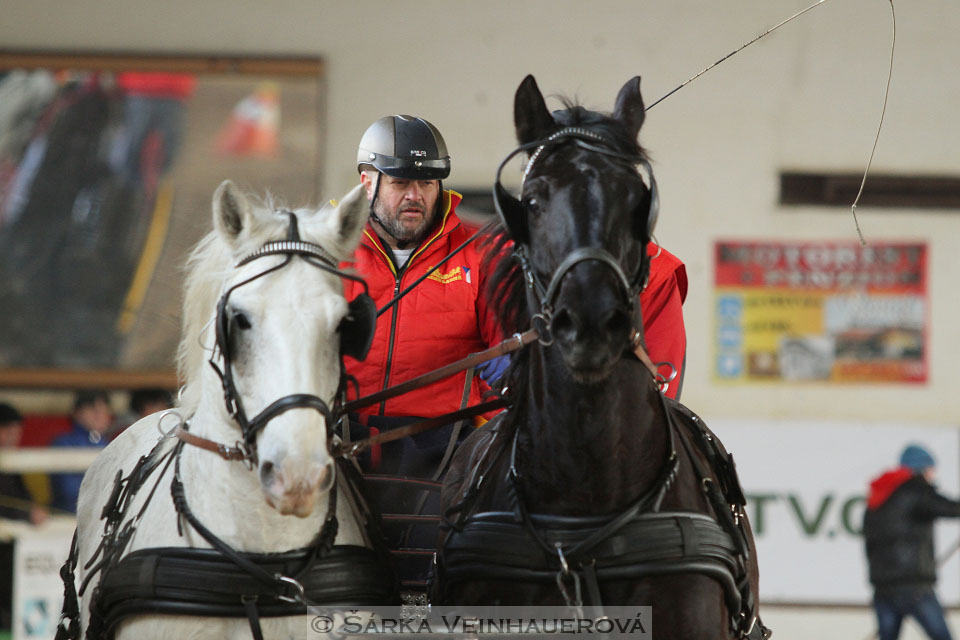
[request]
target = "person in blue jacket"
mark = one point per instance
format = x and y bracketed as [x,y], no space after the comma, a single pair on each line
[90,420]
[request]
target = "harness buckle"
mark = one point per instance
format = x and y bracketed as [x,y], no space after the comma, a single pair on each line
[248,453]
[171,432]
[576,602]
[300,596]
[546,338]
[737,513]
[663,381]
[563,560]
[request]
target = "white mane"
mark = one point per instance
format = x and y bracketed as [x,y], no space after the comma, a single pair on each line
[280,504]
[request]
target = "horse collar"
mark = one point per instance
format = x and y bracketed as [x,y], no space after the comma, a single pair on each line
[649,501]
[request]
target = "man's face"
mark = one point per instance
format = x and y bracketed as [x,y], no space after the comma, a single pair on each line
[407,208]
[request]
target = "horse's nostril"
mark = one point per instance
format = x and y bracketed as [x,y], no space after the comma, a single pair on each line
[618,322]
[266,473]
[564,325]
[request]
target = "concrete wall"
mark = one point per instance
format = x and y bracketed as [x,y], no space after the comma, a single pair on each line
[806,97]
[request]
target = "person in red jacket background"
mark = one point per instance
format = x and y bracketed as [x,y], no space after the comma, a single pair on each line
[402,161]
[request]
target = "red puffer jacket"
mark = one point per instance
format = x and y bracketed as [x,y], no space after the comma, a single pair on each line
[445,318]
[661,304]
[442,319]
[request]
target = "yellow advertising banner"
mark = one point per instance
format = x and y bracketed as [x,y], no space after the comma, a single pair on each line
[820,311]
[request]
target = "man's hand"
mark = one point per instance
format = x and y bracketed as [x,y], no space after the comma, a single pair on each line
[493,370]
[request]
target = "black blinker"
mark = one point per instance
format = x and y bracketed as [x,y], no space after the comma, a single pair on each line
[513,214]
[358,326]
[223,328]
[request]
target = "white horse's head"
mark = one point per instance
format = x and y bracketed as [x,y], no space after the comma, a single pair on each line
[279,329]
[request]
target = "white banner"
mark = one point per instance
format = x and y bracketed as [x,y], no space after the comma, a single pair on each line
[38,554]
[806,483]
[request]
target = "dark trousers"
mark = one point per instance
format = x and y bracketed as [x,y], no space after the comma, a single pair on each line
[892,606]
[422,457]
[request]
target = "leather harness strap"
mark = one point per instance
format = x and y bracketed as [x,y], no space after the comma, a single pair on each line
[355,447]
[222,581]
[636,343]
[226,452]
[494,545]
[509,345]
[639,542]
[202,582]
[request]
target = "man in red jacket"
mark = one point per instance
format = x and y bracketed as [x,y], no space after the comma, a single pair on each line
[402,161]
[413,225]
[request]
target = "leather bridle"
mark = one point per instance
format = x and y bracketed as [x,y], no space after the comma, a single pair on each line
[246,449]
[512,213]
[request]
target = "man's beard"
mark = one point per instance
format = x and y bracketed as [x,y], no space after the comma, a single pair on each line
[404,234]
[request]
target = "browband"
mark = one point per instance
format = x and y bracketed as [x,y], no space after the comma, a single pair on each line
[288,247]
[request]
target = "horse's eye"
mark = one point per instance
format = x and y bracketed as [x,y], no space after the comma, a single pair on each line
[531,205]
[241,321]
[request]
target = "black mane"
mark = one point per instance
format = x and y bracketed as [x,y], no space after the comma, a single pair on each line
[612,130]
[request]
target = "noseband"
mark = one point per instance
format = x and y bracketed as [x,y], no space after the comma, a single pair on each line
[250,427]
[512,213]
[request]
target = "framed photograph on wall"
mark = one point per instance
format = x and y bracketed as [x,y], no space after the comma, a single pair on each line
[107,167]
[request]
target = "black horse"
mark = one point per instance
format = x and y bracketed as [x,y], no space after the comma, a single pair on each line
[593,488]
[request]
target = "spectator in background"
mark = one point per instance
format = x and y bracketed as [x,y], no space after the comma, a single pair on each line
[902,506]
[15,504]
[15,501]
[143,402]
[90,421]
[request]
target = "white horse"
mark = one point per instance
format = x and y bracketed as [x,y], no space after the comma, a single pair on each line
[282,341]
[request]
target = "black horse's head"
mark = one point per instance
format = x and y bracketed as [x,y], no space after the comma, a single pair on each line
[582,224]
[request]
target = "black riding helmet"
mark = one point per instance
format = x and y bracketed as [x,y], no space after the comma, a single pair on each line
[404,147]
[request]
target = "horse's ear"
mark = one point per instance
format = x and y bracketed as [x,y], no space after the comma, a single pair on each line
[530,114]
[629,109]
[232,212]
[352,212]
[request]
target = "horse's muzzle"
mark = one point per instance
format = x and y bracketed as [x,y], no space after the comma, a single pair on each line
[591,328]
[295,489]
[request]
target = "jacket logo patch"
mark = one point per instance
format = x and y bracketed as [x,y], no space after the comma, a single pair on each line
[446,278]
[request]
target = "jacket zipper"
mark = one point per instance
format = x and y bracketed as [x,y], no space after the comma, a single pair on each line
[393,332]
[396,311]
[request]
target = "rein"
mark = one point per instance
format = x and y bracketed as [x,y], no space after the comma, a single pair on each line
[236,452]
[511,344]
[514,343]
[351,449]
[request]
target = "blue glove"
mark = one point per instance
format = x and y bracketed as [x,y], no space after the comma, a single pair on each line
[492,370]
